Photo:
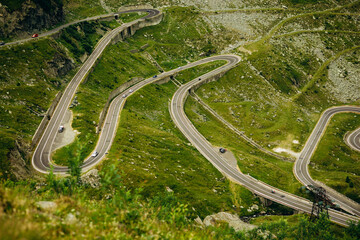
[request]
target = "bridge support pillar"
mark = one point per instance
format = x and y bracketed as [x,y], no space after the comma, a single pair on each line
[265,202]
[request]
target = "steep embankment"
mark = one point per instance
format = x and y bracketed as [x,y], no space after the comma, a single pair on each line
[25,17]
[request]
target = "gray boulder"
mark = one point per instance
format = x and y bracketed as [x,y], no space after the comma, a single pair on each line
[233,221]
[91,178]
[70,219]
[46,205]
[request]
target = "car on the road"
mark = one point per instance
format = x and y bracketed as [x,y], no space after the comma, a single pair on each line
[199,79]
[130,91]
[124,96]
[35,35]
[94,154]
[155,76]
[222,150]
[61,129]
[2,43]
[272,191]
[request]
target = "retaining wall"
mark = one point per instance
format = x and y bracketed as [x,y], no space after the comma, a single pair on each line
[164,80]
[207,80]
[114,94]
[131,29]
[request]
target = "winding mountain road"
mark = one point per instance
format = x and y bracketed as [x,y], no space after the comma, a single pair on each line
[353,140]
[41,160]
[301,169]
[207,150]
[41,157]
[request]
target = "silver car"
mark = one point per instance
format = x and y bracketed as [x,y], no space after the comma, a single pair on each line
[61,129]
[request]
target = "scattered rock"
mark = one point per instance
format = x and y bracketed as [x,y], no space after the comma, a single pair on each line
[91,178]
[343,81]
[70,219]
[253,208]
[199,221]
[145,46]
[169,189]
[233,221]
[46,205]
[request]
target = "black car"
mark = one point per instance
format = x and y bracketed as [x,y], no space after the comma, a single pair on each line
[222,150]
[155,76]
[2,43]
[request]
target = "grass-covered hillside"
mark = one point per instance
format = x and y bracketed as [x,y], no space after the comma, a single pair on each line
[299,58]
[300,66]
[62,210]
[31,76]
[152,152]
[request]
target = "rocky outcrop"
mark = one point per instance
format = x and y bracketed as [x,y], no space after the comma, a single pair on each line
[91,178]
[221,217]
[343,81]
[60,65]
[19,157]
[32,16]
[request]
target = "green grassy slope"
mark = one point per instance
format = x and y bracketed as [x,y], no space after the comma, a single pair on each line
[275,104]
[276,95]
[334,161]
[147,144]
[32,74]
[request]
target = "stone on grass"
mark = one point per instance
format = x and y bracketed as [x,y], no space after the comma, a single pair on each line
[233,221]
[91,178]
[70,219]
[46,205]
[169,189]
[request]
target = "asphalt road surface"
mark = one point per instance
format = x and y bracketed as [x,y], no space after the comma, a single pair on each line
[353,140]
[206,149]
[301,170]
[41,156]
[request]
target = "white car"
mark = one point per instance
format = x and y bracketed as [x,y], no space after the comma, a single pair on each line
[124,96]
[61,129]
[130,91]
[94,154]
